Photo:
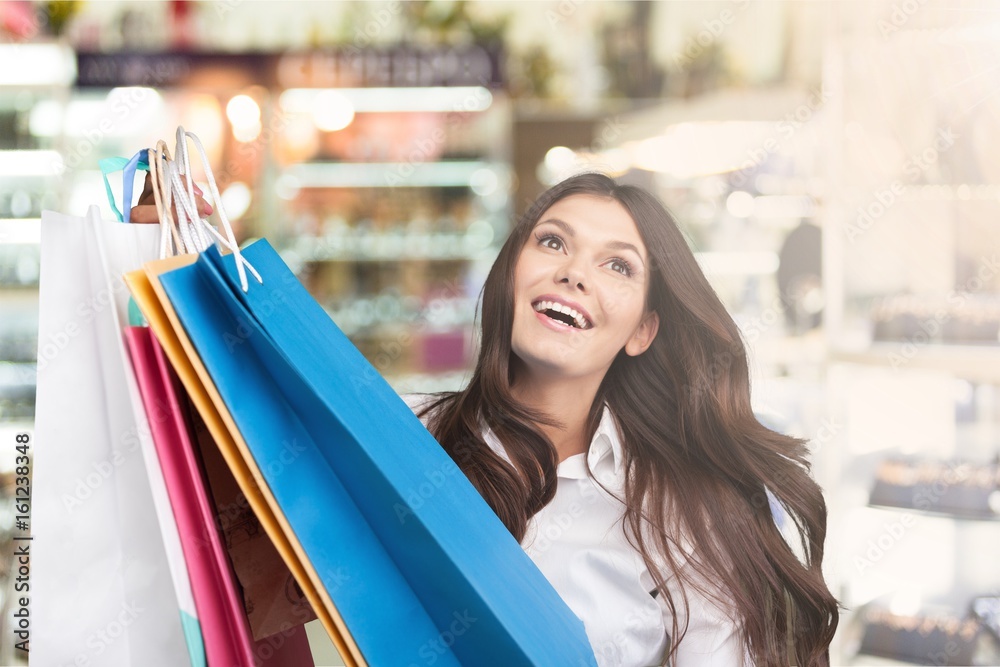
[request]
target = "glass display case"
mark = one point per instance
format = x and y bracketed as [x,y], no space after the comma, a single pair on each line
[857,253]
[913,325]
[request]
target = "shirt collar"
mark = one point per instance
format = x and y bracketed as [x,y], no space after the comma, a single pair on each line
[605,450]
[606,442]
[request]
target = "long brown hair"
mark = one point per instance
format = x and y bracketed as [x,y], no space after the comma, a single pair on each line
[688,434]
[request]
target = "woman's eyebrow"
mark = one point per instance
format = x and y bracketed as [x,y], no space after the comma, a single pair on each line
[561,225]
[612,245]
[623,245]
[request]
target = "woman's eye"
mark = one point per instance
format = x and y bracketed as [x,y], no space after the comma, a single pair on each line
[621,266]
[553,242]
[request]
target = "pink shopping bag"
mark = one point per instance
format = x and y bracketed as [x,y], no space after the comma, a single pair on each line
[207,539]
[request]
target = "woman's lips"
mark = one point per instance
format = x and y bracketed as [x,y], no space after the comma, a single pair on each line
[563,305]
[555,325]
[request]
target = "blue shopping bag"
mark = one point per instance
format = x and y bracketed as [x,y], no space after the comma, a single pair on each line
[418,566]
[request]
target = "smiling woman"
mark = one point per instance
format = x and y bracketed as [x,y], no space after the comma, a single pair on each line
[581,275]
[608,424]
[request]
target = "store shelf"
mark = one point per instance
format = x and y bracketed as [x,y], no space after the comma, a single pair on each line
[935,192]
[427,383]
[959,489]
[808,349]
[862,660]
[921,640]
[18,231]
[934,515]
[33,169]
[53,65]
[737,263]
[363,323]
[395,248]
[389,174]
[30,164]
[438,99]
[391,247]
[981,362]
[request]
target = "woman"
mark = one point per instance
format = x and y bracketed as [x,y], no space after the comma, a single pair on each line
[608,424]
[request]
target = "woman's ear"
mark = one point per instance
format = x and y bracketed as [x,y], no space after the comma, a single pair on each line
[644,334]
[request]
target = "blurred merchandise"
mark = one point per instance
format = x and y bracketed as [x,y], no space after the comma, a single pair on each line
[30,169]
[953,488]
[923,640]
[987,610]
[393,215]
[958,318]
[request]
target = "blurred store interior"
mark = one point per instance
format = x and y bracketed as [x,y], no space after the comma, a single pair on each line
[834,166]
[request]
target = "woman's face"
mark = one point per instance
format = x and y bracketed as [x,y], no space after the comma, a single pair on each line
[580,288]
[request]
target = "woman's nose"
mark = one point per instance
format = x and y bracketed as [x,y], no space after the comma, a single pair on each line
[571,274]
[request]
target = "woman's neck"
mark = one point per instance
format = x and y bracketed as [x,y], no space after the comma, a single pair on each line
[566,400]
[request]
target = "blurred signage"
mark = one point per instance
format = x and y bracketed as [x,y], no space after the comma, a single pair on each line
[400,66]
[469,65]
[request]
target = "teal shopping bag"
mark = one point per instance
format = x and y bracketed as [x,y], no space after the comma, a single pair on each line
[418,565]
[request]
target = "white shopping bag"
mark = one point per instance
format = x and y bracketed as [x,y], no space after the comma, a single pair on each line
[109,586]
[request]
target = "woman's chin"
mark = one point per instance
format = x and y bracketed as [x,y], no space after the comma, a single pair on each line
[554,362]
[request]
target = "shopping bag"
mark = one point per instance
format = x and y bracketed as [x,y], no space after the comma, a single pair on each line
[272,601]
[226,634]
[198,487]
[425,570]
[214,586]
[169,189]
[148,294]
[111,537]
[102,590]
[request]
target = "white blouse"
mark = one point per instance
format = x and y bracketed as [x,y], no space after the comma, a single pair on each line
[579,544]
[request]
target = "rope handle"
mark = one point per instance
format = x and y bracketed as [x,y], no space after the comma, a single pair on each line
[185,195]
[187,231]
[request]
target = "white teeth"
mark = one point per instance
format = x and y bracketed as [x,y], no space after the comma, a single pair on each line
[581,321]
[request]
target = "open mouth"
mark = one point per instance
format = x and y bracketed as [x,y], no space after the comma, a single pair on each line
[563,314]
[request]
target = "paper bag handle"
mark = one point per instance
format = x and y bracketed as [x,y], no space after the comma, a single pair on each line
[182,157]
[128,167]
